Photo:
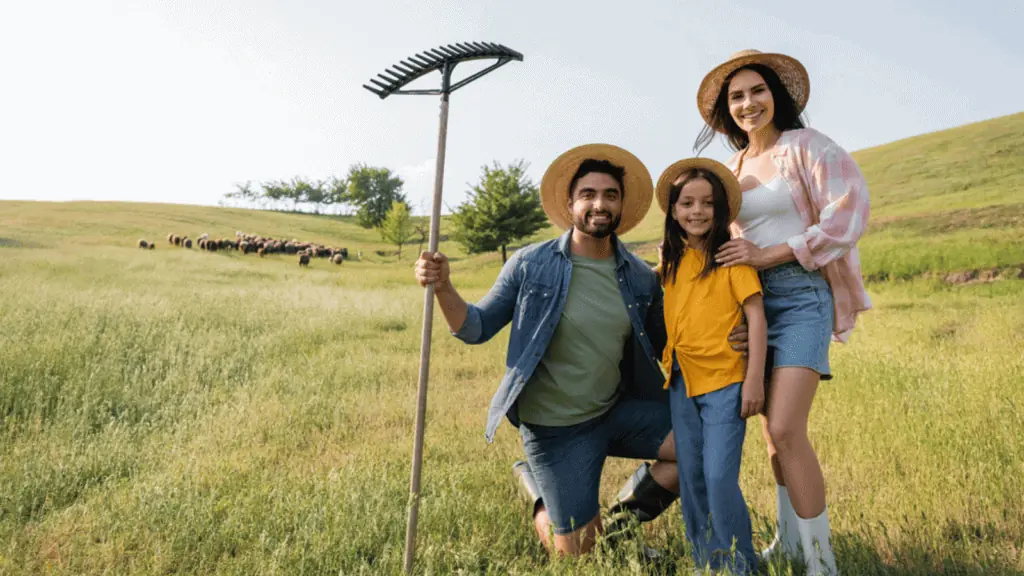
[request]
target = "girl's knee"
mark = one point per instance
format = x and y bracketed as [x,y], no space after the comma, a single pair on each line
[785,436]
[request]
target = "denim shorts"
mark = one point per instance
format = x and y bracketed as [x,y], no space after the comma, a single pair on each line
[566,461]
[798,308]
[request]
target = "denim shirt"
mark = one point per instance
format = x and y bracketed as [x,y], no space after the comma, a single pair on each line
[530,293]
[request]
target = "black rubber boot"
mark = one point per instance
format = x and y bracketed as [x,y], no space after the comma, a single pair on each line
[640,500]
[528,485]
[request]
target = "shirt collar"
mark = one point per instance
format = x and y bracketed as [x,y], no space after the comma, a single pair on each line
[621,254]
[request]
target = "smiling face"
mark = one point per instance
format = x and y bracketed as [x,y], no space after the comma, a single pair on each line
[750,101]
[694,210]
[595,203]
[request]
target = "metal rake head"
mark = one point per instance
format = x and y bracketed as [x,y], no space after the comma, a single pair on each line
[443,59]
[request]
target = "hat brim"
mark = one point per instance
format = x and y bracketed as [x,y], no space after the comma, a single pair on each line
[636,197]
[792,73]
[732,185]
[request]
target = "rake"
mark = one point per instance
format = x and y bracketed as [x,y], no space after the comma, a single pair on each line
[392,81]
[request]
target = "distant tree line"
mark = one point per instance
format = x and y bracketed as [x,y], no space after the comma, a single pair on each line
[503,207]
[366,191]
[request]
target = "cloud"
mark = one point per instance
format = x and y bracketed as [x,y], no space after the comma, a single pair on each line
[419,185]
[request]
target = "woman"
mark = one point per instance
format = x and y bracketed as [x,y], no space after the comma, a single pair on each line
[805,205]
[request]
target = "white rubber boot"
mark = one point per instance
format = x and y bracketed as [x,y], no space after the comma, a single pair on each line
[787,534]
[817,546]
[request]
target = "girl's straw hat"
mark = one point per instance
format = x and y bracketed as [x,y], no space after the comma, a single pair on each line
[636,198]
[729,181]
[790,70]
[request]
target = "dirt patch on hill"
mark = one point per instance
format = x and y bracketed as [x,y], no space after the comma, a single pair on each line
[982,276]
[976,276]
[1006,216]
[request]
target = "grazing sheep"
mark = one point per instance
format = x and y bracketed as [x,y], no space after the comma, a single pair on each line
[204,236]
[143,244]
[303,259]
[152,245]
[177,240]
[243,247]
[261,252]
[337,259]
[188,243]
[170,238]
[202,244]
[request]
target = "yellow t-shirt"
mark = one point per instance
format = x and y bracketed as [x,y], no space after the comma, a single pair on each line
[699,314]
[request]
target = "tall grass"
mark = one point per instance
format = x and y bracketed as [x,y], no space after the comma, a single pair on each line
[182,412]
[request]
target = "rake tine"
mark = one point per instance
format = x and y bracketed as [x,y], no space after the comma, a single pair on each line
[448,51]
[420,61]
[396,77]
[391,84]
[383,86]
[439,55]
[426,55]
[408,69]
[374,90]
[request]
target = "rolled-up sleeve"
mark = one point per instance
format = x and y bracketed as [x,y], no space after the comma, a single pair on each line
[838,190]
[495,310]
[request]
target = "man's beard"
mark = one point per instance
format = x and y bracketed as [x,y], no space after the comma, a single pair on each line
[597,230]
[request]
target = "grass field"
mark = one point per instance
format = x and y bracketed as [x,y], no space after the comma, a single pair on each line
[179,412]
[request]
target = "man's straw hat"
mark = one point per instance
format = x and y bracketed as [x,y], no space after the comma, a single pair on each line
[790,70]
[636,198]
[732,186]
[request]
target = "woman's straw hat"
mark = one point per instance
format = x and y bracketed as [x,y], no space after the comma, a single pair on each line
[729,181]
[790,70]
[636,198]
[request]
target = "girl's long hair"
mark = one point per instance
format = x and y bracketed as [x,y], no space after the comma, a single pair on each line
[787,116]
[674,241]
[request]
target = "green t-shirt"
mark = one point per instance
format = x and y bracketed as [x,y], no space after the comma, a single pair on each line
[578,377]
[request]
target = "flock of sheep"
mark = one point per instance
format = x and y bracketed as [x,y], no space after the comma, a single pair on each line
[251,243]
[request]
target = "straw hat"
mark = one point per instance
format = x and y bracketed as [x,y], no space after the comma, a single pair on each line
[673,172]
[636,198]
[790,70]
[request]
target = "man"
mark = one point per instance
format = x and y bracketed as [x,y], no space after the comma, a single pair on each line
[583,381]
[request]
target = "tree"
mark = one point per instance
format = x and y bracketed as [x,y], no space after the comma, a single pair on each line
[373,191]
[397,227]
[336,192]
[421,230]
[504,207]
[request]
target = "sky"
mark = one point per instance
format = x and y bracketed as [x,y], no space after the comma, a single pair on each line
[179,101]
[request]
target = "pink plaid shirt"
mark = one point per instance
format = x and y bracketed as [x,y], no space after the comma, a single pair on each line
[832,198]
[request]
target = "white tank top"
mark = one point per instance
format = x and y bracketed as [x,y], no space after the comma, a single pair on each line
[768,215]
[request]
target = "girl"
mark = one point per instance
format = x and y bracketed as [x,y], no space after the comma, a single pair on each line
[711,393]
[805,205]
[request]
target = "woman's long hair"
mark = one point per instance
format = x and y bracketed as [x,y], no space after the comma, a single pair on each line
[674,242]
[786,115]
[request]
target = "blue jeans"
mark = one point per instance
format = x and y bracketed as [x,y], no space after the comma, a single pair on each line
[709,437]
[567,460]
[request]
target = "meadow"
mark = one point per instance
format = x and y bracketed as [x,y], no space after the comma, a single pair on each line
[182,412]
